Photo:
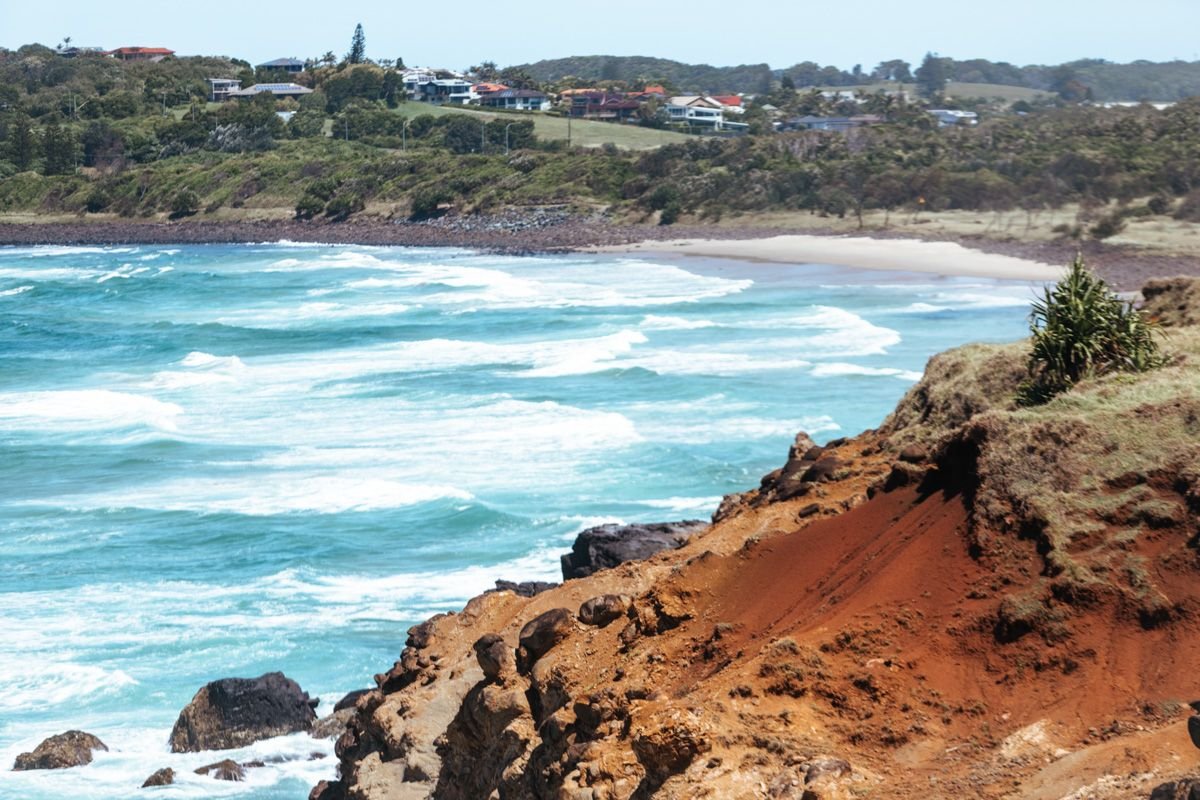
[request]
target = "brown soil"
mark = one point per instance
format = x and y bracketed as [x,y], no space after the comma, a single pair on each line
[767,646]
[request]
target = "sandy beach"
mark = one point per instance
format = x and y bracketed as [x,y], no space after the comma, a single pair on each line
[910,255]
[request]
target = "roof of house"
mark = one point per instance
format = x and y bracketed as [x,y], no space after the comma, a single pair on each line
[150,51]
[273,88]
[693,100]
[528,94]
[728,99]
[484,88]
[282,62]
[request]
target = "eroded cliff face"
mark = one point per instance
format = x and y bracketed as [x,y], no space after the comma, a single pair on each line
[973,601]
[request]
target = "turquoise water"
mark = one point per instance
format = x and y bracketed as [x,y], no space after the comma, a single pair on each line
[225,460]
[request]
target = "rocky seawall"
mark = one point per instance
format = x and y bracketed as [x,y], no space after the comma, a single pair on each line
[975,600]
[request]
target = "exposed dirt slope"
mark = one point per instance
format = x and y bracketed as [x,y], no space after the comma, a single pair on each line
[974,601]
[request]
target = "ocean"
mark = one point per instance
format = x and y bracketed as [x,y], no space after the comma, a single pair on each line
[226,460]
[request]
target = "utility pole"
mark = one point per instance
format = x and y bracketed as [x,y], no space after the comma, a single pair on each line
[404,135]
[506,127]
[569,115]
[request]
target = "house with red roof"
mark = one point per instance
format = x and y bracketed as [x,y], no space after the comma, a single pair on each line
[140,53]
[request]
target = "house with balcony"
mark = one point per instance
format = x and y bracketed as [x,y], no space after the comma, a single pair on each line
[598,104]
[292,66]
[140,53]
[700,112]
[277,89]
[438,87]
[219,89]
[515,100]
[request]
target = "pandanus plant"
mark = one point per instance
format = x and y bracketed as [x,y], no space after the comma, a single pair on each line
[1081,330]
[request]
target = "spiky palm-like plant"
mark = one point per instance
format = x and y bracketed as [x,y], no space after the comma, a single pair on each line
[1081,329]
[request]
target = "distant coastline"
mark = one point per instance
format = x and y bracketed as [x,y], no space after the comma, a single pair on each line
[1127,268]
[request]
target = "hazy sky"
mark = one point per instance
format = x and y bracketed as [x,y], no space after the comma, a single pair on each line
[458,34]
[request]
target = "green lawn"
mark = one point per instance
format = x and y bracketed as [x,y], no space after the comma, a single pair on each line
[583,133]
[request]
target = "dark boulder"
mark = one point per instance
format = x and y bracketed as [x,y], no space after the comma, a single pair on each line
[164,777]
[234,712]
[913,454]
[541,633]
[824,469]
[349,699]
[64,750]
[1185,789]
[495,657]
[524,588]
[1194,730]
[227,770]
[606,546]
[602,610]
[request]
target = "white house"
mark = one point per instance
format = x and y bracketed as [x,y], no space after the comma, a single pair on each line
[700,111]
[219,89]
[947,117]
[436,86]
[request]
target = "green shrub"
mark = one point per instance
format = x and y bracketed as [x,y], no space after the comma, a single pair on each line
[1082,330]
[97,200]
[426,202]
[184,204]
[343,205]
[309,205]
[1109,225]
[670,213]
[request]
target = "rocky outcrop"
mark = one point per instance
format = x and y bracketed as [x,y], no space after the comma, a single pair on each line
[524,588]
[62,751]
[541,633]
[607,546]
[225,770]
[934,609]
[162,777]
[603,610]
[234,712]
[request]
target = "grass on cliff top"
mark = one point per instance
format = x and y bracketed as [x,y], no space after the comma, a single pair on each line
[584,133]
[1089,473]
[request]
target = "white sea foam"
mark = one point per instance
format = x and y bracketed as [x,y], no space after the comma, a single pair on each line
[50,251]
[840,369]
[656,323]
[86,409]
[16,291]
[47,273]
[266,494]
[306,313]
[136,750]
[682,504]
[625,283]
[200,369]
[125,272]
[26,686]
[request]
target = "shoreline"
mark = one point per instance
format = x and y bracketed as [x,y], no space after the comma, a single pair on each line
[1125,268]
[859,252]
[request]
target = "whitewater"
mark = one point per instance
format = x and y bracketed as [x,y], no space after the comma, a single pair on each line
[226,460]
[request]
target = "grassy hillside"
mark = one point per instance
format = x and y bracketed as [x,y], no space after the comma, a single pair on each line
[583,133]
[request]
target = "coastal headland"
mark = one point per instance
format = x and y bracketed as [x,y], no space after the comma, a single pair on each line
[975,599]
